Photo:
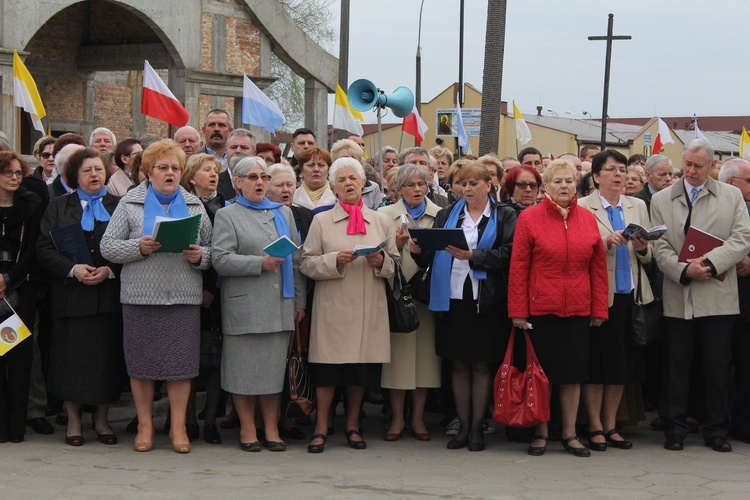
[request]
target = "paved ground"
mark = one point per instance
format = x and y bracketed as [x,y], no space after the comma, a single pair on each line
[44,467]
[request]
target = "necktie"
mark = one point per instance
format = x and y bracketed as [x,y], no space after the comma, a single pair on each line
[623,278]
[694,195]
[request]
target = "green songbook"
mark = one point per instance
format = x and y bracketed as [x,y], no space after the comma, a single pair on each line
[176,235]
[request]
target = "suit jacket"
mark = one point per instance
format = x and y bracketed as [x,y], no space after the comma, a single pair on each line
[633,210]
[56,188]
[251,299]
[225,187]
[70,297]
[719,210]
[645,195]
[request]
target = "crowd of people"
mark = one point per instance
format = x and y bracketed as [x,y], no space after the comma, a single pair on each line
[547,253]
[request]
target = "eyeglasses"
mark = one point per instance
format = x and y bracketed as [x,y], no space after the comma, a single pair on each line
[46,156]
[13,173]
[493,174]
[612,168]
[746,179]
[255,177]
[412,185]
[165,168]
[523,185]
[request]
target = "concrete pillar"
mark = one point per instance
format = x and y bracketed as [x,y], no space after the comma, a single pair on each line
[8,114]
[139,119]
[316,109]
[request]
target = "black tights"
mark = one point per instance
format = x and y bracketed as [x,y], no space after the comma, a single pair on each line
[471,391]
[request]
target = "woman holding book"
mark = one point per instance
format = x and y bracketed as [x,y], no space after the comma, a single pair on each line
[261,297]
[160,292]
[86,362]
[613,360]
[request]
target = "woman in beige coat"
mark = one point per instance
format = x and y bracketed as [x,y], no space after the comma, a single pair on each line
[414,365]
[349,337]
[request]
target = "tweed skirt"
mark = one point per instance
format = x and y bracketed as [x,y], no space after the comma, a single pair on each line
[254,363]
[161,342]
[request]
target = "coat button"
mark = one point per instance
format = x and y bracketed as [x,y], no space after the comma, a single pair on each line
[276,287]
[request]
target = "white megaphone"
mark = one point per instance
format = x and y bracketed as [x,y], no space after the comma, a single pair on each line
[364,95]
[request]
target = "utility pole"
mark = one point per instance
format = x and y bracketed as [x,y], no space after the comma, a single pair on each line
[607,64]
[344,53]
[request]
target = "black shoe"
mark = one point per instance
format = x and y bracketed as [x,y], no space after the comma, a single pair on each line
[211,434]
[132,426]
[61,419]
[578,452]
[293,433]
[107,438]
[251,447]
[457,444]
[719,444]
[674,443]
[40,425]
[658,424]
[74,440]
[355,445]
[317,448]
[538,451]
[617,443]
[374,397]
[15,439]
[274,445]
[593,445]
[193,431]
[477,446]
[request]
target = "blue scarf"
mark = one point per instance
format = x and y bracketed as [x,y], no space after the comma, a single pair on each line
[282,228]
[152,207]
[417,212]
[440,280]
[94,210]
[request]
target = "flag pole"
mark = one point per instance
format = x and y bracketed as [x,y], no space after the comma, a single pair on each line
[380,149]
[516,146]
[401,140]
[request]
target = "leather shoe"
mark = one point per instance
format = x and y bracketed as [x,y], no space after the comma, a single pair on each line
[274,445]
[593,445]
[107,438]
[317,448]
[620,444]
[291,433]
[355,445]
[40,425]
[211,434]
[674,443]
[538,451]
[394,436]
[421,436]
[578,452]
[719,444]
[74,440]
[252,447]
[457,444]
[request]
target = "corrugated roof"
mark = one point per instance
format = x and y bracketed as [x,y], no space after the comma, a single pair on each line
[618,134]
[724,143]
[711,123]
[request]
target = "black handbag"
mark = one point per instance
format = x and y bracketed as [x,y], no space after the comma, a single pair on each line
[301,387]
[402,312]
[420,286]
[646,319]
[211,341]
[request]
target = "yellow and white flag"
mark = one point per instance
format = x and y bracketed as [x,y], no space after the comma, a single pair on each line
[26,93]
[12,332]
[346,117]
[523,134]
[745,145]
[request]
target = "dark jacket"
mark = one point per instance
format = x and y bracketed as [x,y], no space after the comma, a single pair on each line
[302,219]
[493,291]
[71,298]
[645,195]
[56,188]
[225,187]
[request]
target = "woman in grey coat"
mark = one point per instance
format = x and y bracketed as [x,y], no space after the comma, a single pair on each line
[261,295]
[160,293]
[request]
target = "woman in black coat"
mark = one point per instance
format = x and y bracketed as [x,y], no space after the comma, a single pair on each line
[86,361]
[20,211]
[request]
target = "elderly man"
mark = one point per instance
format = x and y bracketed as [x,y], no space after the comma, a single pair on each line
[216,129]
[189,140]
[420,156]
[736,172]
[102,139]
[698,305]
[241,141]
[59,186]
[658,176]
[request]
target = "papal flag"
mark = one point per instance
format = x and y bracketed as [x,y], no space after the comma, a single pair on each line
[26,95]
[744,145]
[523,134]
[12,332]
[345,117]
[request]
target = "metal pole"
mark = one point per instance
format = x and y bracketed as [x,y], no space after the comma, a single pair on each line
[607,64]
[418,88]
[380,149]
[460,66]
[343,54]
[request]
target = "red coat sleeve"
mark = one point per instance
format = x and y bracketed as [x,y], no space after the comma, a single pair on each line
[520,269]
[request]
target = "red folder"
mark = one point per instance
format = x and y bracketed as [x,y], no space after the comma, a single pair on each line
[698,243]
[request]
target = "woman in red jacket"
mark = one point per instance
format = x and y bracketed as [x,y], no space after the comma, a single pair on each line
[558,285]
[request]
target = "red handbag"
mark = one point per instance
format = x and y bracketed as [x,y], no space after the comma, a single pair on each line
[521,398]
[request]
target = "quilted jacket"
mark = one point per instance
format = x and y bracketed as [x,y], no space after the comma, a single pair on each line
[557,266]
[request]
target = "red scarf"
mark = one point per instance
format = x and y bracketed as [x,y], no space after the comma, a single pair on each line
[356,218]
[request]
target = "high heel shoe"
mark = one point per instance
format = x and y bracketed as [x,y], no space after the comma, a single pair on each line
[394,436]
[593,445]
[143,446]
[180,447]
[578,452]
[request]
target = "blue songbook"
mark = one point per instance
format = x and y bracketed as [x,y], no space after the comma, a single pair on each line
[281,247]
[71,242]
[360,250]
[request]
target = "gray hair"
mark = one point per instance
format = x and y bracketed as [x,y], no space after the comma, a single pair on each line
[248,163]
[416,150]
[697,145]
[280,168]
[656,160]
[345,163]
[235,159]
[731,168]
[102,130]
[61,158]
[384,151]
[241,132]
[406,172]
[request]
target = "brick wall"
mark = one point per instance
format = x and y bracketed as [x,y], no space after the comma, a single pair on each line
[243,47]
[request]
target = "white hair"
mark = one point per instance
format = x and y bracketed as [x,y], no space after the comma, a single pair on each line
[247,163]
[280,168]
[345,163]
[102,130]
[61,158]
[731,168]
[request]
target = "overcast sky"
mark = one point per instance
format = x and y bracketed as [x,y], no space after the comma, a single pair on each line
[685,57]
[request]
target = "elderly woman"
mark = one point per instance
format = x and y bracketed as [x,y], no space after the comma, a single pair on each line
[349,336]
[612,355]
[633,181]
[20,211]
[86,362]
[347,148]
[201,178]
[314,192]
[468,294]
[261,297]
[523,183]
[124,153]
[414,365]
[558,286]
[160,292]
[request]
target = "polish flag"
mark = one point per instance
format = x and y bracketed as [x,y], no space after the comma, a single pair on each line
[662,137]
[414,125]
[159,102]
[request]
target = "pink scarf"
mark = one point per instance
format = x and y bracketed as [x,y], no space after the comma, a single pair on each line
[356,218]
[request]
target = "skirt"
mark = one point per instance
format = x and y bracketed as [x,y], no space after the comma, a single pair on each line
[462,334]
[562,346]
[356,374]
[254,363]
[86,359]
[161,342]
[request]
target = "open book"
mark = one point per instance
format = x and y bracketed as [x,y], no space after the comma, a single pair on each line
[654,233]
[360,250]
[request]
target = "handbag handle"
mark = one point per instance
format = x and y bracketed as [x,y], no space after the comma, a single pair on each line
[638,293]
[295,343]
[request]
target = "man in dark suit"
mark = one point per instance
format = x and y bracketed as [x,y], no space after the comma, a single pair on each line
[241,141]
[659,171]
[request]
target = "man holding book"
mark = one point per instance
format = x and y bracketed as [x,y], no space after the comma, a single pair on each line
[697,305]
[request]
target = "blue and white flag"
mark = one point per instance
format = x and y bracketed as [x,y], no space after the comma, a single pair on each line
[463,138]
[258,109]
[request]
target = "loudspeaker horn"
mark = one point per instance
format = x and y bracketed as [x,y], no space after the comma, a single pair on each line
[363,95]
[401,101]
